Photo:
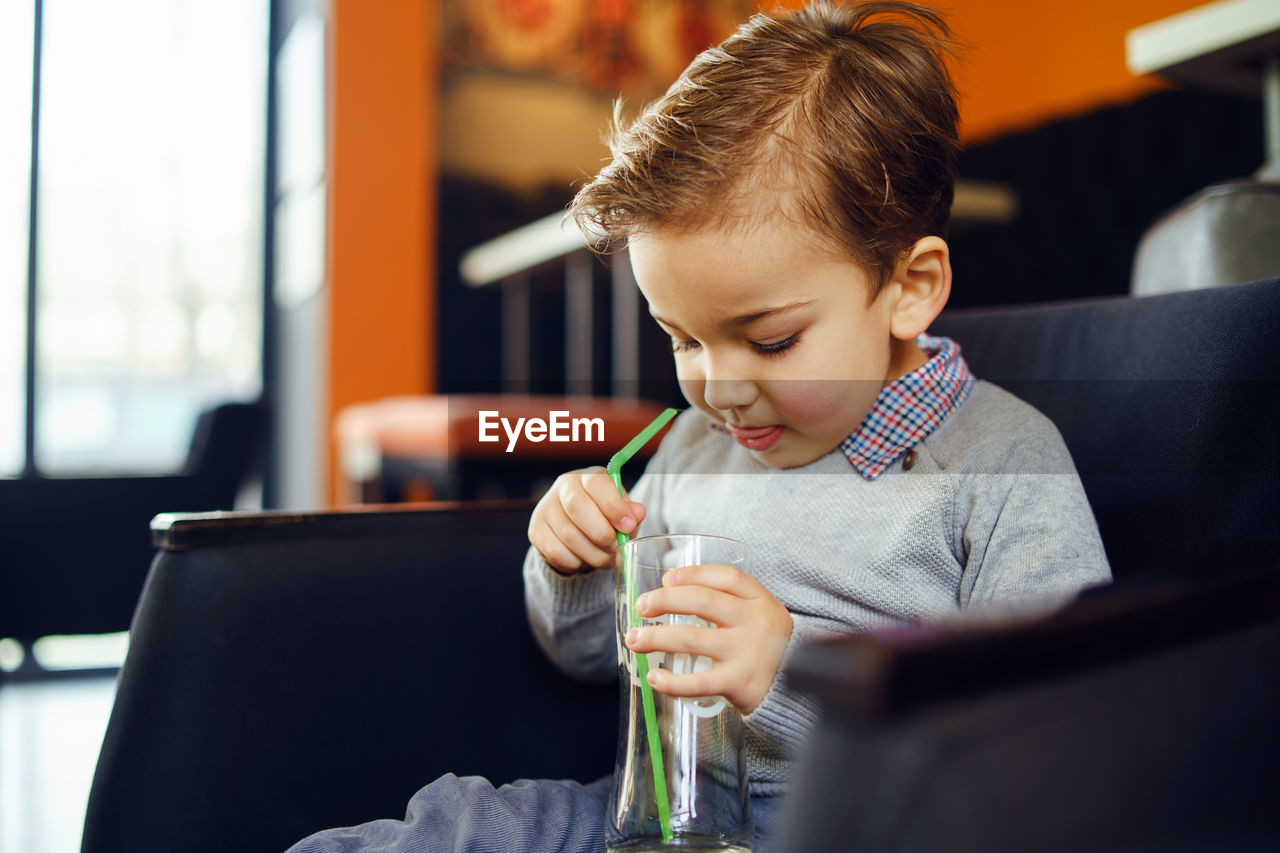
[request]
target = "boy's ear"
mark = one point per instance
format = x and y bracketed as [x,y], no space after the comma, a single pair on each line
[924,285]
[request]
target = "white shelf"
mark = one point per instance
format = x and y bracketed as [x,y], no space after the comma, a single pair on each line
[1219,46]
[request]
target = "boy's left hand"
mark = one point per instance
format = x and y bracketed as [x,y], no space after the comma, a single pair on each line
[746,648]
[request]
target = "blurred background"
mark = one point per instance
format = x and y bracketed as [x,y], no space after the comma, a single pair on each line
[258,198]
[267,202]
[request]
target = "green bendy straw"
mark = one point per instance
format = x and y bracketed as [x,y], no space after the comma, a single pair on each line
[642,661]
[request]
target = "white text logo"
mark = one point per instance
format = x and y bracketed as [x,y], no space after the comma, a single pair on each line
[558,427]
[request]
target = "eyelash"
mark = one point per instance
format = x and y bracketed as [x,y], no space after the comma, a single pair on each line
[777,348]
[766,350]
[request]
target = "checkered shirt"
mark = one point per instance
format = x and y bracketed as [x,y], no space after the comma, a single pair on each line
[910,407]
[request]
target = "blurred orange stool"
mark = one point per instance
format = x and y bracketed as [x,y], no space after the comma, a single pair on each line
[429,447]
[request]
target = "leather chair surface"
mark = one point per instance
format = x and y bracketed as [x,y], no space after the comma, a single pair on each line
[1170,406]
[291,673]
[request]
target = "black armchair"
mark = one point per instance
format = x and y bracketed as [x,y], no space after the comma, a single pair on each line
[75,549]
[1135,720]
[288,673]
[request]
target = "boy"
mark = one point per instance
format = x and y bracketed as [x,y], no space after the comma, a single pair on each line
[784,205]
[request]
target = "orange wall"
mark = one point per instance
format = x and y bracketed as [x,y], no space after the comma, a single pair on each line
[1033,61]
[382,161]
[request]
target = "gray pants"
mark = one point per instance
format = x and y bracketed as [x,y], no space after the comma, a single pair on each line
[469,815]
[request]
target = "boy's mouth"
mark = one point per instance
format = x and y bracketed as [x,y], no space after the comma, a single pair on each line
[756,438]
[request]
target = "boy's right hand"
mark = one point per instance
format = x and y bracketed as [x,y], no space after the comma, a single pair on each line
[573,526]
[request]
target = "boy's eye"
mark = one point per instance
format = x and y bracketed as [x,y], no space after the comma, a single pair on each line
[770,349]
[778,347]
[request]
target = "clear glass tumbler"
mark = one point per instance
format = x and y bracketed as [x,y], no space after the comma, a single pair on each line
[680,781]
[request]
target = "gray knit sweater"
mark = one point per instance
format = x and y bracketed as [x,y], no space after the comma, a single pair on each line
[990,517]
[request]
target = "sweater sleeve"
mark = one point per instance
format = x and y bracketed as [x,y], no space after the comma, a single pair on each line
[784,717]
[1028,532]
[572,618]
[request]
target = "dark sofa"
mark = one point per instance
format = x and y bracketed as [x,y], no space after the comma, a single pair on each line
[74,550]
[291,672]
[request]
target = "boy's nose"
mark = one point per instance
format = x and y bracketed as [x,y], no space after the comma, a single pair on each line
[724,395]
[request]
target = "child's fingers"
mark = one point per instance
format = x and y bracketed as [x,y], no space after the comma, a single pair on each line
[555,552]
[729,579]
[711,604]
[571,547]
[621,512]
[722,679]
[578,509]
[745,651]
[711,682]
[679,639]
[590,546]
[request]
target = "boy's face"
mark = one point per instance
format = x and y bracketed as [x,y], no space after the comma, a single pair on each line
[771,338]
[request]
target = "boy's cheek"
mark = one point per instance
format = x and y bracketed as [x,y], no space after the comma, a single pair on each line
[803,400]
[818,400]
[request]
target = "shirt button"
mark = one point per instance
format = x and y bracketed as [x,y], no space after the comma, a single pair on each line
[909,461]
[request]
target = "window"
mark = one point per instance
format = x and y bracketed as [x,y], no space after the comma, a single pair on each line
[149,226]
[16,44]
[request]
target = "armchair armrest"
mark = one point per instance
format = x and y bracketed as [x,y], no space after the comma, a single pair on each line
[879,677]
[293,672]
[1131,719]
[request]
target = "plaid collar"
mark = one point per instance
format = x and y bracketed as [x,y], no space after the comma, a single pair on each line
[910,407]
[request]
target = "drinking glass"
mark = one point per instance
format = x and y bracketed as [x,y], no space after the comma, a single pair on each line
[680,780]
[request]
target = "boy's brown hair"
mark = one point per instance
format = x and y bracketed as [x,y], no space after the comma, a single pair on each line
[846,113]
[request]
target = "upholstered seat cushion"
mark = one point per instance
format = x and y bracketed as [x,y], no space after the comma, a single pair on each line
[1170,406]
